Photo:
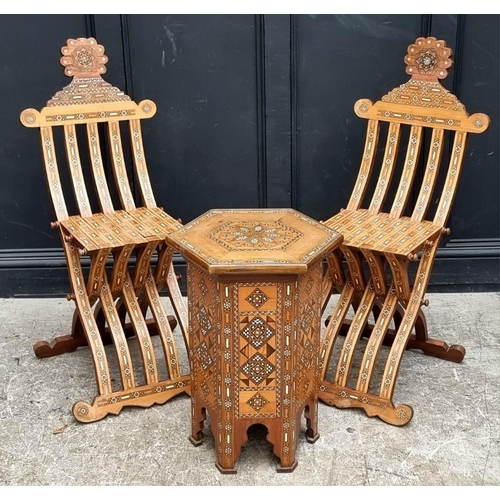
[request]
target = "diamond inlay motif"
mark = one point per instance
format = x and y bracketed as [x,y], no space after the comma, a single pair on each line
[307,354]
[257,368]
[257,402]
[307,317]
[257,298]
[204,320]
[257,332]
[204,356]
[255,235]
[203,287]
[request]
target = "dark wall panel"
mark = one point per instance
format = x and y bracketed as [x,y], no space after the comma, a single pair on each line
[278,110]
[31,74]
[202,143]
[341,58]
[253,110]
[476,212]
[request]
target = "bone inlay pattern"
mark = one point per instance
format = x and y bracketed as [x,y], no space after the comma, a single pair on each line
[110,305]
[260,331]
[254,329]
[202,307]
[255,235]
[384,298]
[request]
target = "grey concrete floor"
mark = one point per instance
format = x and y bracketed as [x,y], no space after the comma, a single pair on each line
[452,440]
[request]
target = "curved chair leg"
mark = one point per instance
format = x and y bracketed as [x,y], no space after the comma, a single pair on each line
[154,390]
[418,340]
[165,276]
[421,340]
[376,272]
[70,343]
[334,325]
[89,324]
[337,393]
[99,319]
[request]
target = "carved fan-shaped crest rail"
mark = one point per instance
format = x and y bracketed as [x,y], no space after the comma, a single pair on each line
[122,288]
[383,235]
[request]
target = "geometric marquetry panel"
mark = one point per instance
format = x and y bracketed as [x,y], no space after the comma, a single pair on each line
[259,322]
[257,298]
[257,402]
[306,367]
[202,300]
[258,331]
[257,370]
[255,235]
[254,294]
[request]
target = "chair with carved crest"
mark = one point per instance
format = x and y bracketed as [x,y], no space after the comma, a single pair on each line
[123,284]
[400,226]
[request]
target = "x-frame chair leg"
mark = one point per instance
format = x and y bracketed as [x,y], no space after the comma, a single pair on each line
[404,311]
[102,306]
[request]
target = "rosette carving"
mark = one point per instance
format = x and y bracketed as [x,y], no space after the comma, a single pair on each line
[83,58]
[428,59]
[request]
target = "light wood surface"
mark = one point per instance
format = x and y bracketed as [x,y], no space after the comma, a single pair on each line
[122,302]
[385,230]
[254,241]
[255,284]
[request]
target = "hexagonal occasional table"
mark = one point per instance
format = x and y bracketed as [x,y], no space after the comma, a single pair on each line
[254,300]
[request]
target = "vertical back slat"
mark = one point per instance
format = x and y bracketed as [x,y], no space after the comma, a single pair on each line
[53,178]
[140,164]
[430,175]
[119,169]
[450,185]
[99,175]
[75,168]
[369,153]
[409,169]
[387,168]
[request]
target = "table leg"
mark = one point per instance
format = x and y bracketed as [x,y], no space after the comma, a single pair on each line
[311,414]
[198,416]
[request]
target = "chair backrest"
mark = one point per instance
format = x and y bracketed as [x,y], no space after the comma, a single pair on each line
[425,107]
[85,103]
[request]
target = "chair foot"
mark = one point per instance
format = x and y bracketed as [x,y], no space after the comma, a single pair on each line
[439,349]
[59,345]
[70,343]
[431,347]
[144,396]
[374,406]
[85,413]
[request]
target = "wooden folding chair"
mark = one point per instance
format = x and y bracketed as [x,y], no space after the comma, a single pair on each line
[111,305]
[372,269]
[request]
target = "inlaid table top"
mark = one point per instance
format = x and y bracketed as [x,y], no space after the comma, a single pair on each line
[254,241]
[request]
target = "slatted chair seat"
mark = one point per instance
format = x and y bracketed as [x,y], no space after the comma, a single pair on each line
[403,221]
[382,233]
[124,281]
[119,228]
